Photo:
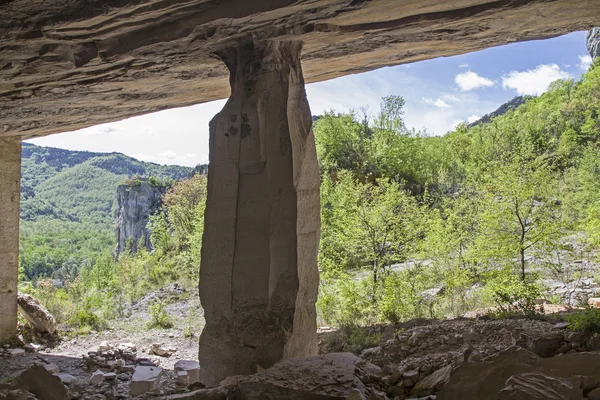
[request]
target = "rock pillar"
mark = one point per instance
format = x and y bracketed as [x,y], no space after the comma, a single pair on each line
[259,276]
[10,180]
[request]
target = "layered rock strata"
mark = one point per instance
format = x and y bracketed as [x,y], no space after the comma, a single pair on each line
[66,65]
[259,277]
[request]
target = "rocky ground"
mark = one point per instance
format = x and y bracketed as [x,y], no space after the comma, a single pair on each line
[476,358]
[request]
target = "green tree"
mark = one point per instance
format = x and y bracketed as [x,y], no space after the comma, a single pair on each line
[521,211]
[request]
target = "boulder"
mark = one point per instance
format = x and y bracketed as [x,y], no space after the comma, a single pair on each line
[329,377]
[594,394]
[538,386]
[544,346]
[484,380]
[432,383]
[36,314]
[145,379]
[43,384]
[97,378]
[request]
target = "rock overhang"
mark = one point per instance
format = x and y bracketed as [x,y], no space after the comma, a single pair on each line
[66,65]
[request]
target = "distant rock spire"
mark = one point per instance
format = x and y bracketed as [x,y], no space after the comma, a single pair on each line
[593,42]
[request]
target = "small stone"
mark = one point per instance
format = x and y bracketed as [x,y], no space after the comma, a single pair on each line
[162,351]
[52,368]
[144,379]
[355,394]
[192,368]
[32,347]
[561,325]
[470,337]
[16,352]
[475,357]
[573,337]
[563,349]
[67,379]
[97,378]
[182,378]
[105,346]
[110,376]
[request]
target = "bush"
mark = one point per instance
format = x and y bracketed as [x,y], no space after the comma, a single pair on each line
[353,339]
[159,318]
[347,302]
[401,300]
[513,296]
[587,321]
[85,315]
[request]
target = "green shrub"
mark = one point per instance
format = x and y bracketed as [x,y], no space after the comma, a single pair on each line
[401,299]
[513,296]
[85,318]
[86,315]
[348,301]
[586,321]
[159,318]
[353,339]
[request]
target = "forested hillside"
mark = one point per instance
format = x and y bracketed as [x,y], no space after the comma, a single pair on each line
[68,205]
[504,212]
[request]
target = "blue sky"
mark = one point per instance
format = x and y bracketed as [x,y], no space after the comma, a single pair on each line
[439,94]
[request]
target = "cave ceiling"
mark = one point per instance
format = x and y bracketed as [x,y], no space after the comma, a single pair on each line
[69,64]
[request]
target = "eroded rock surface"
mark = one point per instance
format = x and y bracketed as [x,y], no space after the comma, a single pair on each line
[66,64]
[136,203]
[593,42]
[259,276]
[36,314]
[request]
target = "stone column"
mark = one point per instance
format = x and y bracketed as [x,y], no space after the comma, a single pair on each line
[10,180]
[259,276]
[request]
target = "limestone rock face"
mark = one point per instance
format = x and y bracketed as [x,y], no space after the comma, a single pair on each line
[259,276]
[593,42]
[136,203]
[36,314]
[66,64]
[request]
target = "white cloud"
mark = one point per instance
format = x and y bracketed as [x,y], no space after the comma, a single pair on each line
[473,118]
[465,65]
[534,81]
[439,102]
[470,80]
[585,62]
[442,102]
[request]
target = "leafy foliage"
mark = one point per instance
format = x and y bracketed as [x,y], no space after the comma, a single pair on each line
[471,219]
